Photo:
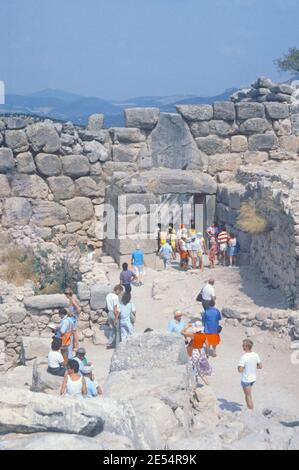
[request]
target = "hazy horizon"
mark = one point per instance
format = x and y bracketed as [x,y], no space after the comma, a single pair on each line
[117,50]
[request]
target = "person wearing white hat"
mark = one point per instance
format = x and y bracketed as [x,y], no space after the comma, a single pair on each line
[93,388]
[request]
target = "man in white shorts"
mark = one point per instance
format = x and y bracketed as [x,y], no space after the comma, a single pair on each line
[249,363]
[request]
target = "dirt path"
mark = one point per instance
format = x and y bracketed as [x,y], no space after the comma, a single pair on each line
[278,383]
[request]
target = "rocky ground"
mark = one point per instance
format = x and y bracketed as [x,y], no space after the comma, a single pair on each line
[218,408]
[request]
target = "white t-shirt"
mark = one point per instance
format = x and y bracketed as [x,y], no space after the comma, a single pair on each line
[208,292]
[55,359]
[250,362]
[112,300]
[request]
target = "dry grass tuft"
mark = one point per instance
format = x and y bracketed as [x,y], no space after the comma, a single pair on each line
[17,266]
[250,220]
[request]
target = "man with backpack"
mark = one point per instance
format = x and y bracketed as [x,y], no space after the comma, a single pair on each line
[67,332]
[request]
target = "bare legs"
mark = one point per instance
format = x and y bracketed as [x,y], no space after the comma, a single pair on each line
[248,397]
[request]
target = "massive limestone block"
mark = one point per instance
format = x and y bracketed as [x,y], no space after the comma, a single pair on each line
[98,294]
[80,209]
[255,126]
[89,187]
[25,163]
[224,110]
[16,211]
[213,144]
[43,137]
[263,142]
[239,143]
[15,123]
[277,110]
[42,381]
[48,164]
[127,203]
[62,187]
[125,153]
[143,118]
[248,110]
[4,186]
[262,82]
[172,145]
[195,112]
[137,352]
[283,88]
[224,162]
[17,141]
[222,128]
[27,412]
[45,302]
[200,129]
[95,122]
[75,165]
[7,161]
[33,347]
[127,135]
[164,181]
[32,186]
[48,214]
[96,150]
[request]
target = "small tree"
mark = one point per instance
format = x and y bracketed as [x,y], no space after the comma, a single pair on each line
[290,61]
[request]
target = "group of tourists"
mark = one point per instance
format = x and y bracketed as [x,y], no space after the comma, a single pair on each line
[202,338]
[66,359]
[191,246]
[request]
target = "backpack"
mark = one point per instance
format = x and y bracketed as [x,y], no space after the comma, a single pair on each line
[199,297]
[66,338]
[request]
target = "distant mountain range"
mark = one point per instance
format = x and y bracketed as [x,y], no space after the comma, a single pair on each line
[64,106]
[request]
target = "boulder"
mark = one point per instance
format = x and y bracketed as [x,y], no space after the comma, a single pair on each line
[171,144]
[33,347]
[75,165]
[248,110]
[48,214]
[16,211]
[96,150]
[7,161]
[98,294]
[224,110]
[137,352]
[45,302]
[239,143]
[180,182]
[28,412]
[95,122]
[89,187]
[42,381]
[255,126]
[4,186]
[277,110]
[17,140]
[195,112]
[49,441]
[143,118]
[224,162]
[48,164]
[125,153]
[3,317]
[83,291]
[25,163]
[263,82]
[80,209]
[30,186]
[283,88]
[171,385]
[212,145]
[200,129]
[16,313]
[222,128]
[127,135]
[43,137]
[62,187]
[15,123]
[261,142]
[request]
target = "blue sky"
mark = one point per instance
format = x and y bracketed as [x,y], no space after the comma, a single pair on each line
[124,48]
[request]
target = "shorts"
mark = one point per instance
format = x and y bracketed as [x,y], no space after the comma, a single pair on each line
[223,247]
[138,270]
[247,384]
[232,251]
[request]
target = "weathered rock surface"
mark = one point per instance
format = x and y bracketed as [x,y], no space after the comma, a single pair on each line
[48,214]
[44,302]
[7,161]
[143,118]
[44,137]
[16,211]
[48,164]
[34,347]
